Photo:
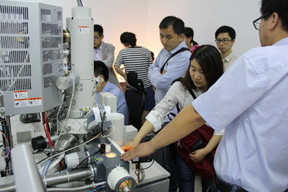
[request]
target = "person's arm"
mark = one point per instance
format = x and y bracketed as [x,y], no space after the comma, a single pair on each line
[120,72]
[110,56]
[146,128]
[155,118]
[184,123]
[176,68]
[200,154]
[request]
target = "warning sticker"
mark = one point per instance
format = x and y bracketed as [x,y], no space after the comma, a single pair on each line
[20,94]
[29,102]
[83,29]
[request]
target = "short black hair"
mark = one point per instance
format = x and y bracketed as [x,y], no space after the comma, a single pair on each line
[176,23]
[226,29]
[99,29]
[211,63]
[101,69]
[128,38]
[278,6]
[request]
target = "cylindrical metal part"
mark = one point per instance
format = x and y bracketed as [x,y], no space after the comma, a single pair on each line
[65,141]
[69,176]
[72,160]
[82,188]
[120,180]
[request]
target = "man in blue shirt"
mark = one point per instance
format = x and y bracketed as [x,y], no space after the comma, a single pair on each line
[250,101]
[162,73]
[172,38]
[101,73]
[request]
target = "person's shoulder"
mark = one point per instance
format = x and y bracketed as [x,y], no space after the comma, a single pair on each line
[107,45]
[266,52]
[177,85]
[144,48]
[117,89]
[185,51]
[114,89]
[125,50]
[265,58]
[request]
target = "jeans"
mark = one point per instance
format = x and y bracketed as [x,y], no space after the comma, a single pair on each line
[187,177]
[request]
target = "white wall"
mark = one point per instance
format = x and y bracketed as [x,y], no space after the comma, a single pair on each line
[143,17]
[205,16]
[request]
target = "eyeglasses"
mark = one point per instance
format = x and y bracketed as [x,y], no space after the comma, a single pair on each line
[96,38]
[224,41]
[256,22]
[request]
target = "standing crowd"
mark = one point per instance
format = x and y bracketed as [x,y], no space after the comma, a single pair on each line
[200,99]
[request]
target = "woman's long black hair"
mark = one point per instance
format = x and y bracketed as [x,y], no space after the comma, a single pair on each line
[210,62]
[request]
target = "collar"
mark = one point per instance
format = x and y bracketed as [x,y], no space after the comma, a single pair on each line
[100,47]
[283,41]
[182,44]
[107,86]
[228,57]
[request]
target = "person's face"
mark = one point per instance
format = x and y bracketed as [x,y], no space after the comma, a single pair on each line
[198,76]
[263,33]
[224,43]
[97,40]
[169,39]
[99,81]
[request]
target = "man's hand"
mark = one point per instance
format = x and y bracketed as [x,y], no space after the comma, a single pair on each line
[163,72]
[143,149]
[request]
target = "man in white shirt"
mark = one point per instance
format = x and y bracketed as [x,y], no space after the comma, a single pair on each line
[225,39]
[104,52]
[250,101]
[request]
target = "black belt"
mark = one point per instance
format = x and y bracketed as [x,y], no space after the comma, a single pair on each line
[226,187]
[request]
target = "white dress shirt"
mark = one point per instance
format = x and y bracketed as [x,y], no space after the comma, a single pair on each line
[250,100]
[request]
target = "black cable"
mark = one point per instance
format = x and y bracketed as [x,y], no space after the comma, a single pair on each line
[138,170]
[148,166]
[86,159]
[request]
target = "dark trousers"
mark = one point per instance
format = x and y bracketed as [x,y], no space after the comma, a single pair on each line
[187,177]
[166,157]
[218,185]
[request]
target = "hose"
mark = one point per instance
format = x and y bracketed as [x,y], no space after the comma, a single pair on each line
[82,188]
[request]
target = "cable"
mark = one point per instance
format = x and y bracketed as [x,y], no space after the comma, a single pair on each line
[6,150]
[56,161]
[59,109]
[140,171]
[70,105]
[45,124]
[45,159]
[86,159]
[46,167]
[148,166]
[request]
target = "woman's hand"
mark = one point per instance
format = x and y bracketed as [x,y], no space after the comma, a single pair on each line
[144,149]
[198,155]
[131,144]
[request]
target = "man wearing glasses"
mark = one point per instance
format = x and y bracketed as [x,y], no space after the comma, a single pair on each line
[225,39]
[250,101]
